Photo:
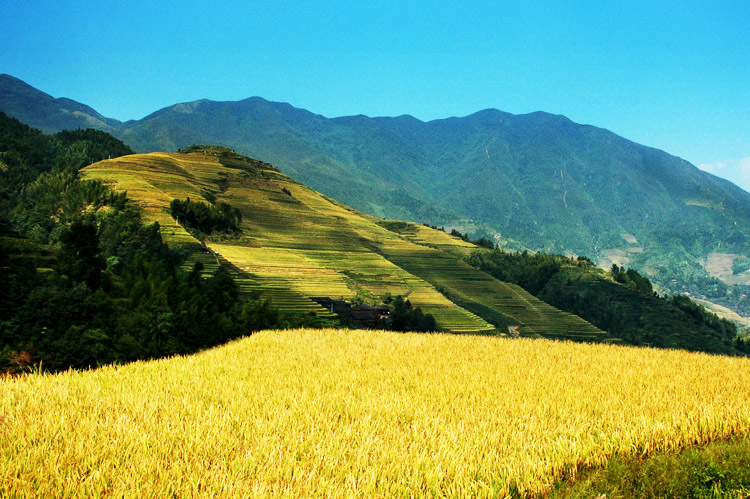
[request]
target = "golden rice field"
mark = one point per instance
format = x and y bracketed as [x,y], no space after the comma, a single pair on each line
[309,413]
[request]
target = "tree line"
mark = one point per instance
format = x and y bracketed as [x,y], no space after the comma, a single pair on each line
[621,301]
[405,317]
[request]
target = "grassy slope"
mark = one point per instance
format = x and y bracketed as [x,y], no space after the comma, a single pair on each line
[330,413]
[304,244]
[718,469]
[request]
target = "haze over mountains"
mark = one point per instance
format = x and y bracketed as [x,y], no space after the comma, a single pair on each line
[536,181]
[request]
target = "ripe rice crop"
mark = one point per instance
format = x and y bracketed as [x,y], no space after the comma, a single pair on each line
[360,414]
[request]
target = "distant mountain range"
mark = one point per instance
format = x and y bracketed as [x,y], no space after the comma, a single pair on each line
[535,181]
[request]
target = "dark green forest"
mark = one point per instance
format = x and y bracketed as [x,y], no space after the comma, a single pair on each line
[85,281]
[621,301]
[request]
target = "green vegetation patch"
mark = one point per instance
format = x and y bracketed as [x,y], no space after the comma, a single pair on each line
[621,302]
[718,469]
[398,226]
[228,157]
[740,265]
[206,218]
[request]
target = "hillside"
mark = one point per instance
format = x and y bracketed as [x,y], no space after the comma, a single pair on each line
[536,181]
[302,249]
[331,413]
[296,244]
[86,282]
[620,301]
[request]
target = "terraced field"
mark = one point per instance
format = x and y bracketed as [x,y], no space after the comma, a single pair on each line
[296,243]
[477,290]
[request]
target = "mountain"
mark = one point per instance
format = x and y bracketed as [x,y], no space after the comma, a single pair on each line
[535,181]
[48,114]
[368,168]
[277,240]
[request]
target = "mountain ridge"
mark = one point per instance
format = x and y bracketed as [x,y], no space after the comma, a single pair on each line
[535,181]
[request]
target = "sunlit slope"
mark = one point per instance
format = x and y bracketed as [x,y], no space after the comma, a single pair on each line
[293,246]
[153,180]
[351,414]
[478,291]
[296,243]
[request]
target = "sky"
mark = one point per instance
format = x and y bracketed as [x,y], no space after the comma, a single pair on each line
[669,74]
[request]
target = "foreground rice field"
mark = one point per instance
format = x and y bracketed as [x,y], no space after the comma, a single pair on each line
[360,414]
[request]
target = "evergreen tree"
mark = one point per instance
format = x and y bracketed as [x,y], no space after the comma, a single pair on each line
[80,257]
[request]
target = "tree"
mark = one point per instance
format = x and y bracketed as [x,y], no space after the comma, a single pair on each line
[80,257]
[406,318]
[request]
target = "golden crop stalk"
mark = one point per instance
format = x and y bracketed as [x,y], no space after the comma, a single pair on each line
[360,414]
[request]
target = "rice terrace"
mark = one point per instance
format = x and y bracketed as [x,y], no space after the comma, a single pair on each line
[299,244]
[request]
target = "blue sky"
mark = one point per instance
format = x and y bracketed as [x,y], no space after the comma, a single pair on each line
[673,75]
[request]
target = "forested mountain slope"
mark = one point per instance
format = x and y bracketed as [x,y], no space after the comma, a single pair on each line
[48,114]
[536,181]
[92,281]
